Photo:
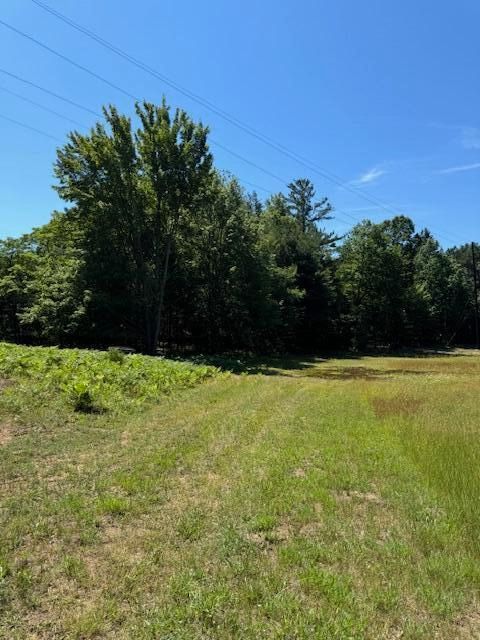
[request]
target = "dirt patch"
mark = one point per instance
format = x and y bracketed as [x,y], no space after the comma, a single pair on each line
[299,473]
[283,532]
[6,433]
[467,627]
[396,406]
[369,513]
[310,530]
[267,539]
[359,496]
[5,383]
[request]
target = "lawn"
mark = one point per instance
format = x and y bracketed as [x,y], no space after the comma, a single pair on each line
[305,498]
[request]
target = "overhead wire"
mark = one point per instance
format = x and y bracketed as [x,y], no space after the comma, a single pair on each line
[284,183]
[40,106]
[215,142]
[326,174]
[49,92]
[27,126]
[57,139]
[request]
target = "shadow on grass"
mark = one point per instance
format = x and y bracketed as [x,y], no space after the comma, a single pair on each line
[308,365]
[266,365]
[361,373]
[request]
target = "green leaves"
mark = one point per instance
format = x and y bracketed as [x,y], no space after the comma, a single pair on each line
[134,192]
[90,381]
[79,395]
[159,250]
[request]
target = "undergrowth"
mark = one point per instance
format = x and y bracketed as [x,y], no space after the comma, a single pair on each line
[92,381]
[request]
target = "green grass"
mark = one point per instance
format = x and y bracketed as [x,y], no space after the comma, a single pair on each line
[308,499]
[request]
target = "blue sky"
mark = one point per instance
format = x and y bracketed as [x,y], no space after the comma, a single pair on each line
[385,95]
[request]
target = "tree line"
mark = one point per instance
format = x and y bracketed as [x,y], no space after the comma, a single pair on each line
[158,248]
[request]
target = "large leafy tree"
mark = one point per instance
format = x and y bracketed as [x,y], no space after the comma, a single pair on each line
[57,296]
[159,246]
[17,266]
[133,191]
[399,286]
[375,278]
[231,270]
[462,255]
[443,293]
[226,291]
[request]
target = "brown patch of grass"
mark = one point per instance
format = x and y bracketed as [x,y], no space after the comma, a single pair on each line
[6,433]
[283,532]
[125,439]
[369,514]
[266,539]
[5,383]
[396,406]
[360,373]
[467,626]
[6,429]
[359,496]
[299,473]
[310,530]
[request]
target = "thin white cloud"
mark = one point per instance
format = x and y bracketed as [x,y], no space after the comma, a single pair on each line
[370,176]
[464,167]
[465,135]
[470,137]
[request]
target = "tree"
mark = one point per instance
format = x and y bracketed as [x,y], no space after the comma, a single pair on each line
[17,264]
[375,281]
[442,291]
[301,205]
[58,298]
[305,252]
[462,256]
[133,192]
[158,246]
[224,285]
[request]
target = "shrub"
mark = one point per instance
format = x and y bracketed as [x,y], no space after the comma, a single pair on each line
[80,396]
[115,355]
[90,379]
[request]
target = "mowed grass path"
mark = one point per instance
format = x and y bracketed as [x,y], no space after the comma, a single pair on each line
[335,500]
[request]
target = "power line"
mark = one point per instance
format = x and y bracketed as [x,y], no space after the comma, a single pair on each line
[250,162]
[96,113]
[256,186]
[27,126]
[51,93]
[49,135]
[67,59]
[40,106]
[216,143]
[284,150]
[328,175]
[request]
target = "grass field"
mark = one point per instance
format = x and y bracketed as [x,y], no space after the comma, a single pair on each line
[333,499]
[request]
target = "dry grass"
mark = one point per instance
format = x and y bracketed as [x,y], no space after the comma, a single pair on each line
[396,406]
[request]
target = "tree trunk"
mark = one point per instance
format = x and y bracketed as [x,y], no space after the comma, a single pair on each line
[161,298]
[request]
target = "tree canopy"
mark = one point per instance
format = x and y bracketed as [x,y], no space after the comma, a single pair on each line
[158,248]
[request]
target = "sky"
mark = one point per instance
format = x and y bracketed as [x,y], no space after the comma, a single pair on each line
[380,98]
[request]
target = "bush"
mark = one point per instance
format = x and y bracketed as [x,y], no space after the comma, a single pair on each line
[80,396]
[93,381]
[115,355]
